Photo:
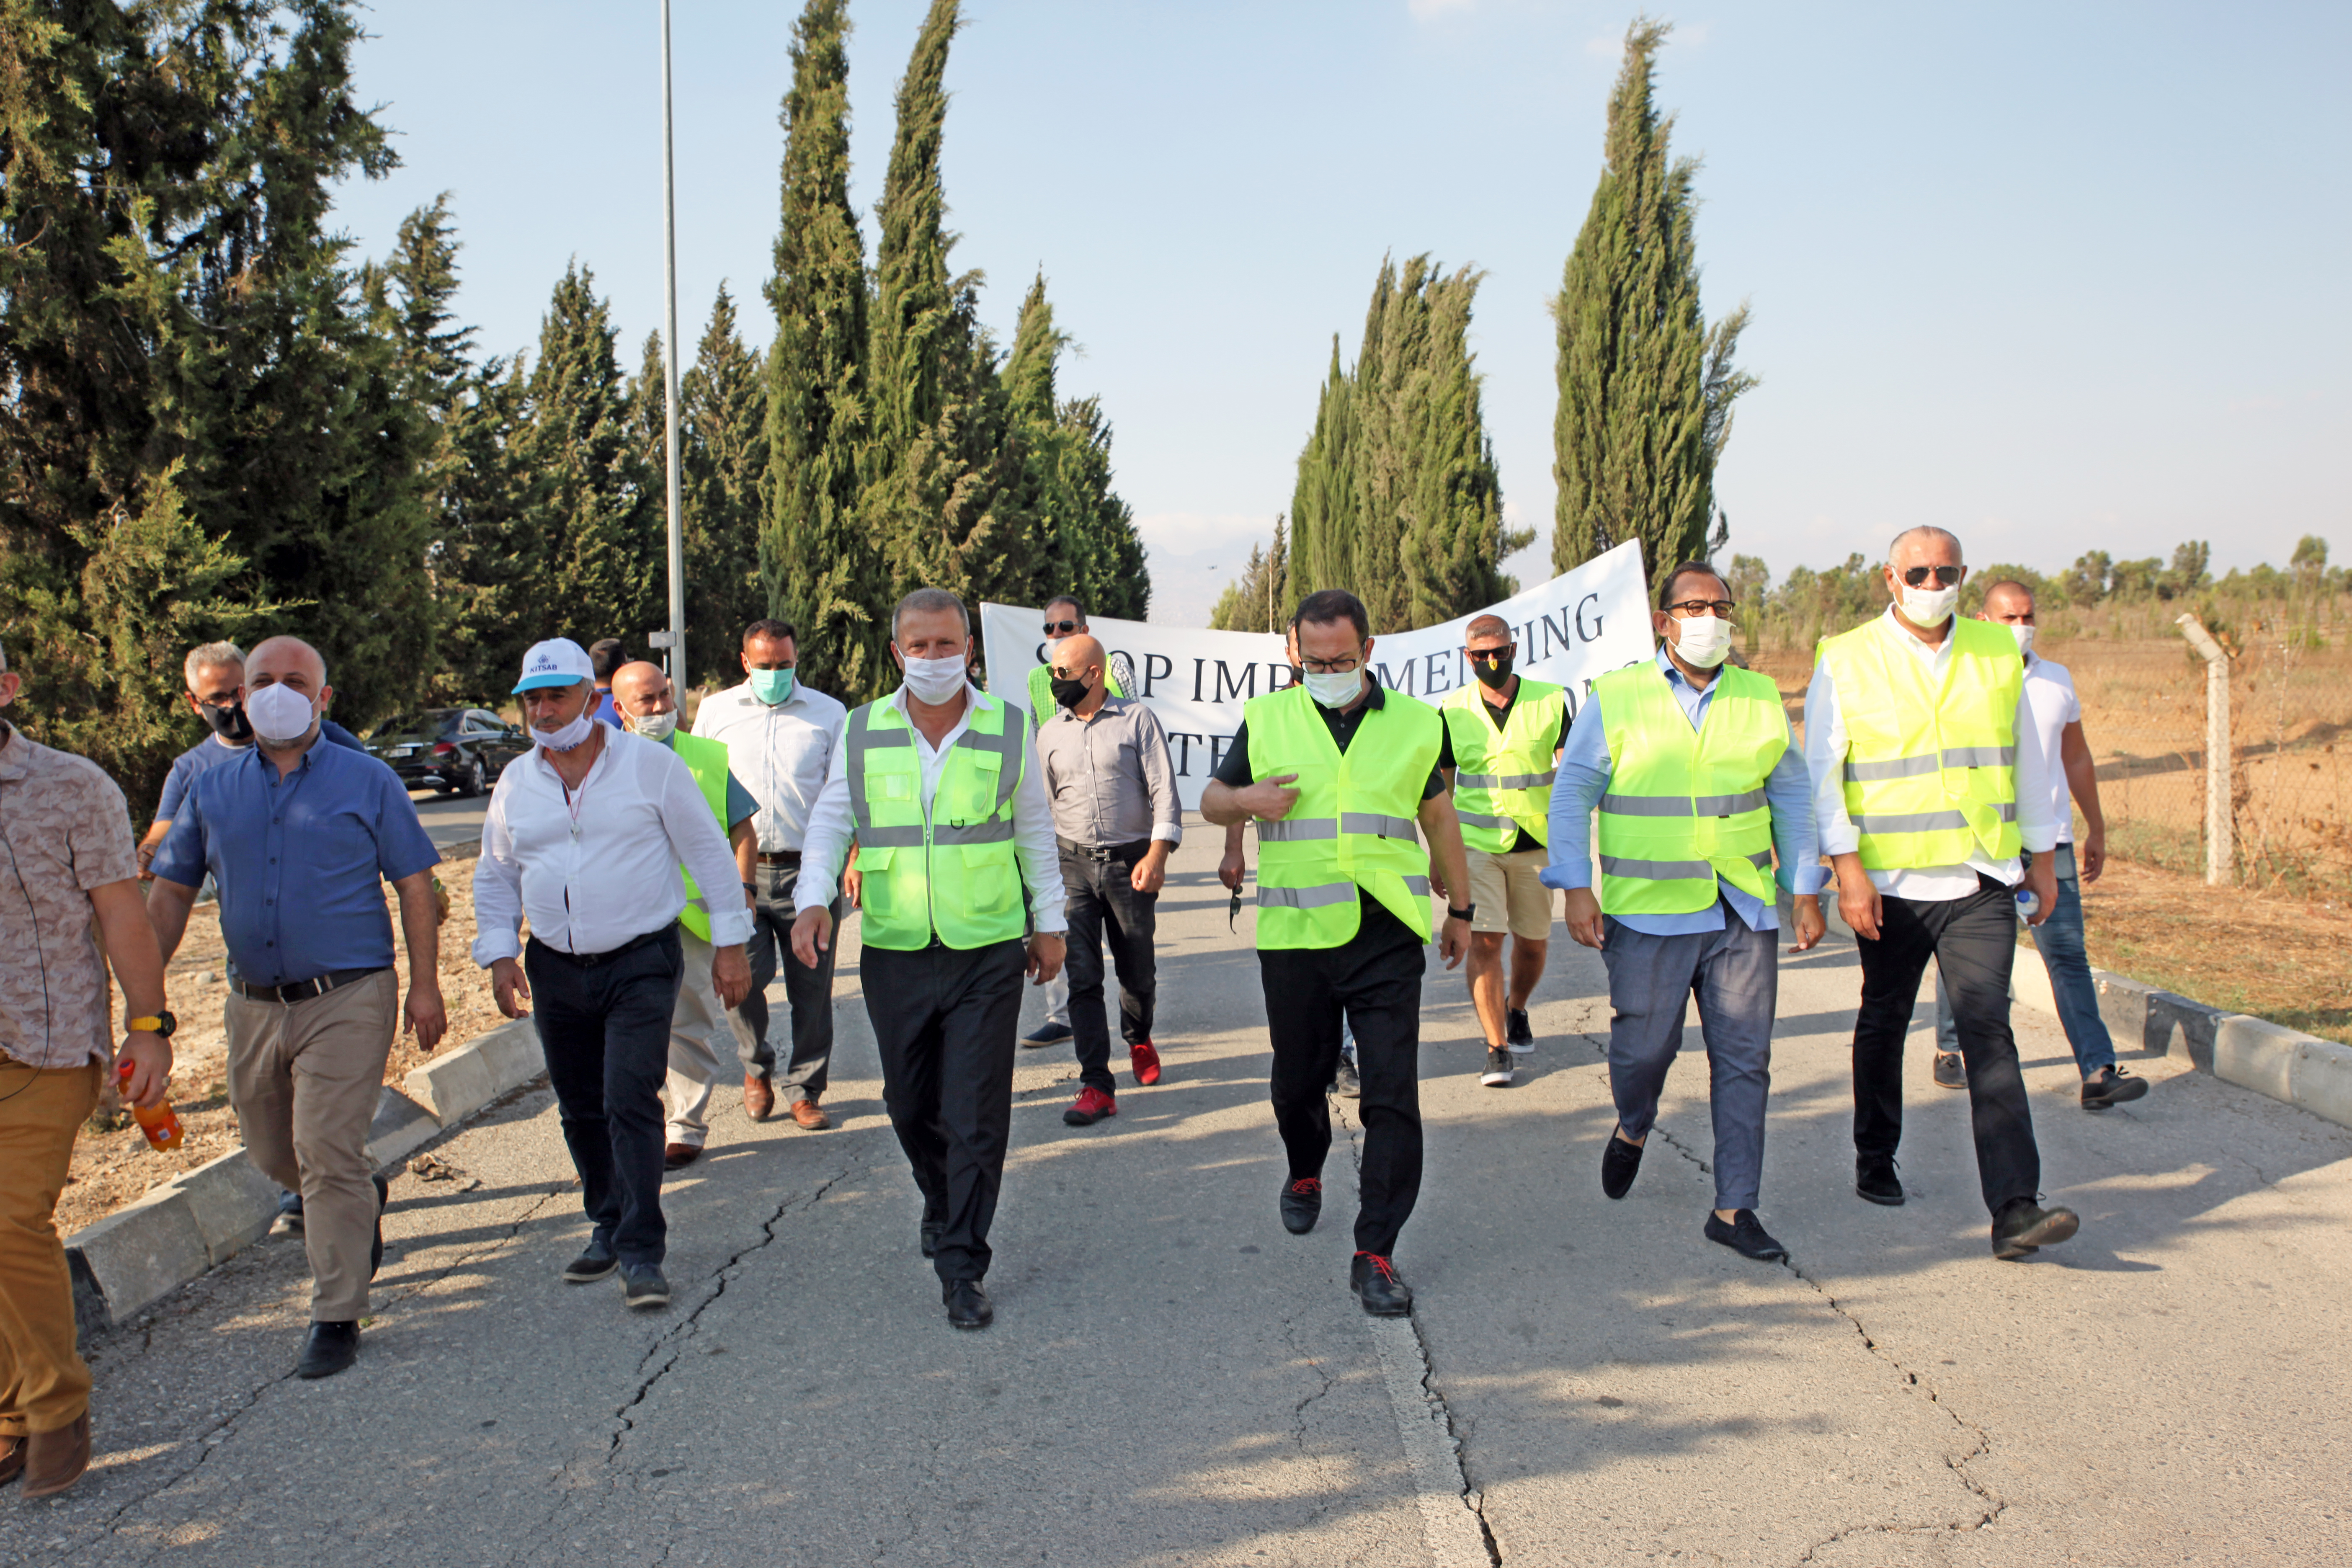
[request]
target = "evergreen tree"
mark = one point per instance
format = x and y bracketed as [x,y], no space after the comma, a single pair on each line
[1085,537]
[821,568]
[1645,387]
[723,461]
[1323,505]
[493,560]
[1261,601]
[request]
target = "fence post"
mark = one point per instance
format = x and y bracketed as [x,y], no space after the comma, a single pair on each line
[2220,859]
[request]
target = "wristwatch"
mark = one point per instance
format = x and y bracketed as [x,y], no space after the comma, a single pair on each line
[1463,913]
[162,1024]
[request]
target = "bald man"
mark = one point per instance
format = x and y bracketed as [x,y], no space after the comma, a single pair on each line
[301,837]
[1112,782]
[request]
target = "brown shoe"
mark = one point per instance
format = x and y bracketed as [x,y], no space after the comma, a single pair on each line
[55,1460]
[758,1096]
[12,1460]
[678,1157]
[806,1114]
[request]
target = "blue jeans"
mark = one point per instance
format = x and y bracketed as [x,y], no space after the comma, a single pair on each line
[2059,939]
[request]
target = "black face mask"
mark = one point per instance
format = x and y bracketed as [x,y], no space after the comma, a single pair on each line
[1496,675]
[230,723]
[1069,693]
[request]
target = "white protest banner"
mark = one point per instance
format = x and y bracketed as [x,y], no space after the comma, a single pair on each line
[1571,630]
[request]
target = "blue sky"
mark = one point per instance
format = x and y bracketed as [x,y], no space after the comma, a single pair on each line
[2059,277]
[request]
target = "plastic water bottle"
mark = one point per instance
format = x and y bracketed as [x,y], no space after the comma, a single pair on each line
[2027,901]
[160,1125]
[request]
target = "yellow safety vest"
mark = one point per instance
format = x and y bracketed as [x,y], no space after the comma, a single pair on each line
[954,871]
[1502,779]
[1930,770]
[1685,806]
[707,760]
[1354,825]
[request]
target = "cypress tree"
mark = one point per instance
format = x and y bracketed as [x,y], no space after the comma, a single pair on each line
[1085,537]
[1323,504]
[1645,387]
[723,460]
[820,566]
[493,560]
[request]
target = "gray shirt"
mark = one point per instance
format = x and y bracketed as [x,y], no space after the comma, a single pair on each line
[1110,777]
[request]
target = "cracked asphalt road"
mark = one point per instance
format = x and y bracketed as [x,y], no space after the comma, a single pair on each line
[1173,1379]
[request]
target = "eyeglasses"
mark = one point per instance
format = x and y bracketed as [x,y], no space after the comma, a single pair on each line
[1060,628]
[1492,654]
[1347,665]
[1946,576]
[1719,608]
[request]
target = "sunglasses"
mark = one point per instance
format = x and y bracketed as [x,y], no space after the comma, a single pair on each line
[1945,575]
[1060,628]
[1492,654]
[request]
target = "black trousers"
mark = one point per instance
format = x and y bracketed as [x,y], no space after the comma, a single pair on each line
[1974,941]
[1374,982]
[943,1023]
[808,990]
[1103,903]
[604,1026]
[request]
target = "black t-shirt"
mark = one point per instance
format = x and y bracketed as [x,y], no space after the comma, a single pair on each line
[1502,716]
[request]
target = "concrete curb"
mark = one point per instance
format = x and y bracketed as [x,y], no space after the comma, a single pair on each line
[145,1250]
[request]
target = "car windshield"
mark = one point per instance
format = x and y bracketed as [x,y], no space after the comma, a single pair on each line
[432,724]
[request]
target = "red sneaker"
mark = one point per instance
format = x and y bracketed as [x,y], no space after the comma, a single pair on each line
[1145,1060]
[1091,1105]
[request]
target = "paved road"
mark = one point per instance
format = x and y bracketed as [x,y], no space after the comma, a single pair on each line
[451,819]
[1172,1379]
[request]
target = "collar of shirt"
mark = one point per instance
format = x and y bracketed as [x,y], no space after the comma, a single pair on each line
[1894,625]
[934,759]
[1694,700]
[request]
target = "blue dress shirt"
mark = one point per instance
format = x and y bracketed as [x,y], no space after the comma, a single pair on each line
[298,859]
[1585,770]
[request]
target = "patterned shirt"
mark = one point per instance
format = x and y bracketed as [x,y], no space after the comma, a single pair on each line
[64,829]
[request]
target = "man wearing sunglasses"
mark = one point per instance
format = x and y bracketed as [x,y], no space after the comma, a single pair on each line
[1695,771]
[1065,619]
[1928,784]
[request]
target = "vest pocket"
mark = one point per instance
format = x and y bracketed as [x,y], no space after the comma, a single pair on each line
[988,878]
[874,897]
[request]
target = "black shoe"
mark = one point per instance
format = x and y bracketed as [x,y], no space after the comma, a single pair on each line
[290,1216]
[330,1348]
[375,1251]
[644,1289]
[1618,1163]
[1744,1235]
[1379,1287]
[1951,1072]
[1046,1035]
[1500,1070]
[1302,1203]
[967,1303]
[1874,1179]
[1346,1082]
[2024,1227]
[932,1230]
[2111,1086]
[594,1262]
[1516,1032]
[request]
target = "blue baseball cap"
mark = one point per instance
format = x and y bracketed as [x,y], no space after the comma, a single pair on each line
[557,661]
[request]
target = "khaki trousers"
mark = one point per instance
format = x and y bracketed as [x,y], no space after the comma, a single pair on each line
[44,1386]
[305,1078]
[698,1028]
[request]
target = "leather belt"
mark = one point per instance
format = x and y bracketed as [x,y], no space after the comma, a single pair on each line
[780,857]
[1135,850]
[631,945]
[303,990]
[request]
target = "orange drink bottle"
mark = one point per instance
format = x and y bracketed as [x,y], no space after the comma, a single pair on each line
[158,1121]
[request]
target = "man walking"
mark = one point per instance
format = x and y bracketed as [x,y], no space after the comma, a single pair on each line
[641,693]
[72,878]
[934,784]
[1503,737]
[1927,784]
[780,737]
[1065,619]
[586,836]
[299,837]
[606,655]
[1339,772]
[2055,715]
[1116,818]
[1695,770]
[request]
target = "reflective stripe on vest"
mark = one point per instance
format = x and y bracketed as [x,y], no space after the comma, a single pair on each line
[952,869]
[1685,809]
[707,760]
[1930,773]
[1354,829]
[1503,778]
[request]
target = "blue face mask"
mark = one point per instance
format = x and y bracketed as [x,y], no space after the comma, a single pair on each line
[772,686]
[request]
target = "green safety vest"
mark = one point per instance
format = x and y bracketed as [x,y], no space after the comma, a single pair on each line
[1684,806]
[1041,691]
[1354,824]
[954,871]
[1930,771]
[1502,778]
[707,760]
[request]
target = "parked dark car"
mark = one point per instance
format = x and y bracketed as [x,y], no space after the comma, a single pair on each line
[456,751]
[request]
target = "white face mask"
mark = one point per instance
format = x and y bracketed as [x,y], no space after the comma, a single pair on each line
[656,726]
[2024,636]
[935,681]
[1335,690]
[1702,640]
[570,735]
[1925,608]
[281,716]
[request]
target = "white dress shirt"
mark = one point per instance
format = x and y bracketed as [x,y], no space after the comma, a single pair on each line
[830,829]
[1825,750]
[780,753]
[593,881]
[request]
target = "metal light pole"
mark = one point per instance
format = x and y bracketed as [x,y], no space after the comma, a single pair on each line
[674,655]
